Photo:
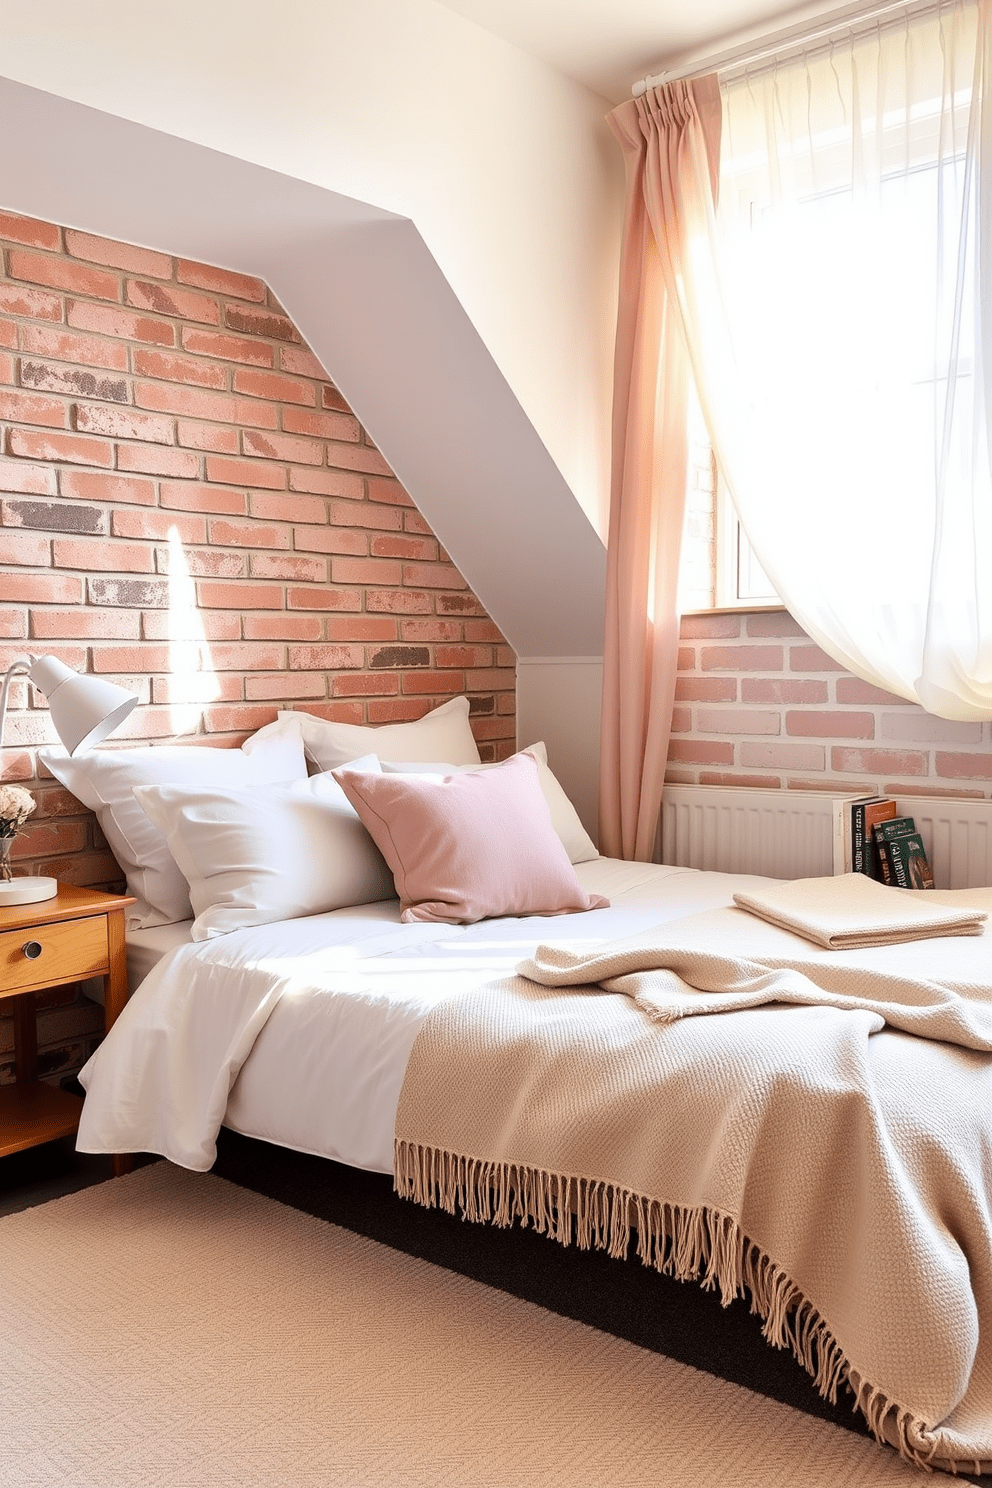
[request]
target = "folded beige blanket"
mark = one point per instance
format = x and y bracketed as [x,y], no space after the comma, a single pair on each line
[854,910]
[836,1174]
[726,960]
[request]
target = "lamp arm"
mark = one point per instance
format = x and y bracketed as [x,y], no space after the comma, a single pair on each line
[19,664]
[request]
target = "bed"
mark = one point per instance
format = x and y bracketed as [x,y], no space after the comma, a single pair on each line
[303,1031]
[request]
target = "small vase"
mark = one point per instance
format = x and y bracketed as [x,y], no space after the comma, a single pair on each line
[6,843]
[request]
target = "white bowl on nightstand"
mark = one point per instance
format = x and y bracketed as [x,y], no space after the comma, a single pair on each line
[27,890]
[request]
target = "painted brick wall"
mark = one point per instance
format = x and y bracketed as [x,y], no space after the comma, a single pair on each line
[759,704]
[189,507]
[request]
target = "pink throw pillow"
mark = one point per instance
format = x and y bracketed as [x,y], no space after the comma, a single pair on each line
[470,846]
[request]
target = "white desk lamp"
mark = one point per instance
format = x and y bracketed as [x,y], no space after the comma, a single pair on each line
[84,710]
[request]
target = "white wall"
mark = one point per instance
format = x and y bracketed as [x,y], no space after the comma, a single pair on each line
[558,700]
[505,167]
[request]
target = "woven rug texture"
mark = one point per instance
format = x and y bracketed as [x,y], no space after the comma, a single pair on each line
[173,1330]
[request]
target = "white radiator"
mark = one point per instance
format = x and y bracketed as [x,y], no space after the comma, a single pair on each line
[789,834]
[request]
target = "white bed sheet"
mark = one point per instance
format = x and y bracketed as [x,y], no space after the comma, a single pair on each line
[145,948]
[336,1003]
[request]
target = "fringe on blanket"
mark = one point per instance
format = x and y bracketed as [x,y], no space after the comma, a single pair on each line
[690,1244]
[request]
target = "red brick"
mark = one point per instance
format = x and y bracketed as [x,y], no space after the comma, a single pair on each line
[439,630]
[706,689]
[876,762]
[743,782]
[331,398]
[463,656]
[223,281]
[61,273]
[155,526]
[157,625]
[389,490]
[169,397]
[782,690]
[293,508]
[123,423]
[165,299]
[226,719]
[774,623]
[8,338]
[361,628]
[260,323]
[709,627]
[15,766]
[29,548]
[26,480]
[75,449]
[432,576]
[956,766]
[249,473]
[285,686]
[390,546]
[221,596]
[63,346]
[682,722]
[283,627]
[13,623]
[493,728]
[825,724]
[48,588]
[7,370]
[853,690]
[812,659]
[282,447]
[331,540]
[365,571]
[179,369]
[247,657]
[213,437]
[225,687]
[433,682]
[158,461]
[301,360]
[398,602]
[785,756]
[121,324]
[31,231]
[365,684]
[327,483]
[193,496]
[34,304]
[741,658]
[82,624]
[323,599]
[356,457]
[401,711]
[413,521]
[273,385]
[248,535]
[326,658]
[458,604]
[206,563]
[31,408]
[701,752]
[103,557]
[228,349]
[118,255]
[128,594]
[493,680]
[365,514]
[85,485]
[321,425]
[293,566]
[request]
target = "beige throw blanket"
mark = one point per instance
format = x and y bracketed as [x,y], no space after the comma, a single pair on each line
[853,910]
[815,1158]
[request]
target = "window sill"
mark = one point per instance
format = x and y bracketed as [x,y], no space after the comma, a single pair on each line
[738,609]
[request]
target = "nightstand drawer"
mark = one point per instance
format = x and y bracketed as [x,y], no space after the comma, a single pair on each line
[72,949]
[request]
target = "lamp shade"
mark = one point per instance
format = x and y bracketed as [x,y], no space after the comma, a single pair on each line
[84,709]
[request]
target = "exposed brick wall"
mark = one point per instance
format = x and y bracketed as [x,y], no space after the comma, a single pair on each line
[759,704]
[188,506]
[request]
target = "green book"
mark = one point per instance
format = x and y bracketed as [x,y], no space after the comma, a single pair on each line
[882,834]
[908,862]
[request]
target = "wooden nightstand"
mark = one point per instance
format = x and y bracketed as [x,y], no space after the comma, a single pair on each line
[79,933]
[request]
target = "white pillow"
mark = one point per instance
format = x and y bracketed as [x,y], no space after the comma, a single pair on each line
[443,734]
[104,780]
[564,817]
[276,853]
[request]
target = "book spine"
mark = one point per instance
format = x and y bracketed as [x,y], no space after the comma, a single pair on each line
[859,855]
[882,848]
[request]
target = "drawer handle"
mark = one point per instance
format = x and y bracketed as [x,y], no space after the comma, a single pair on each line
[32,949]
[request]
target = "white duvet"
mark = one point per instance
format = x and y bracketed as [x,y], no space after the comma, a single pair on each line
[299,1032]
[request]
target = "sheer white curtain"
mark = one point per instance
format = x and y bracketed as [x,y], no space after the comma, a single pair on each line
[839,308]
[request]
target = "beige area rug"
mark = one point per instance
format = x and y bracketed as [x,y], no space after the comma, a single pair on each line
[170,1328]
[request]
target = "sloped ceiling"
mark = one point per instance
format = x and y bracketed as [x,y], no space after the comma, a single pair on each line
[369,297]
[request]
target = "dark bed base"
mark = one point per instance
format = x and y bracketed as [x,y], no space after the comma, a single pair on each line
[624,1298]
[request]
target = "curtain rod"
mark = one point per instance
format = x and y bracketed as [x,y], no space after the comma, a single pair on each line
[774,42]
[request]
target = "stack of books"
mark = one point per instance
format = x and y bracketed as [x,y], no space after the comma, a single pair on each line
[871,837]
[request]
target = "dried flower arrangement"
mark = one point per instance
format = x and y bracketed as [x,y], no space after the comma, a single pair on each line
[16,805]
